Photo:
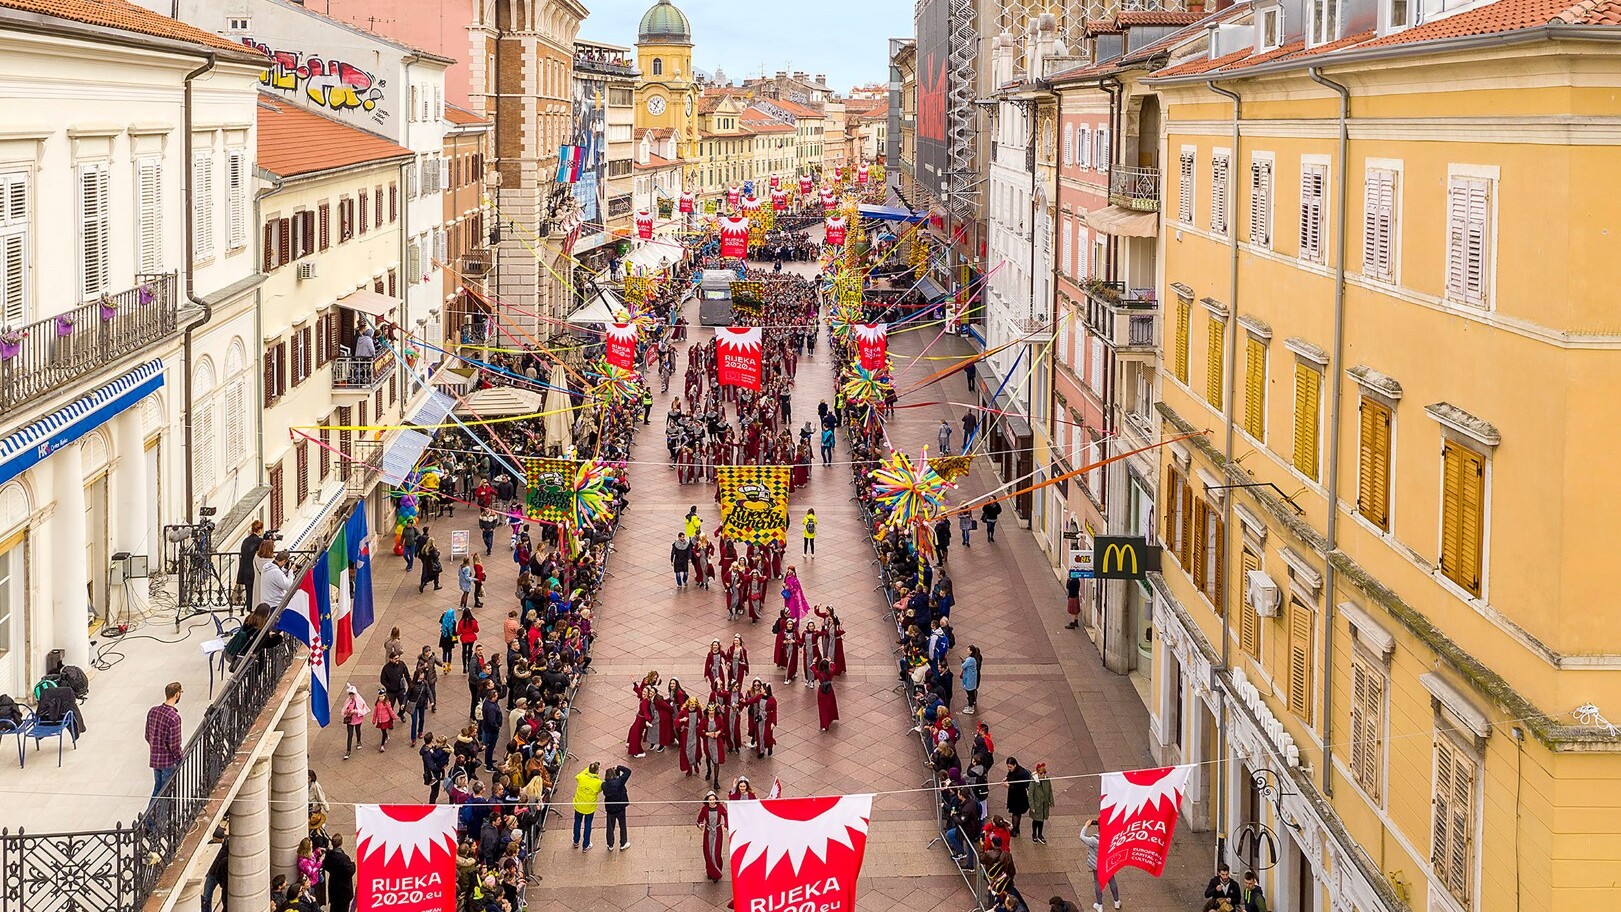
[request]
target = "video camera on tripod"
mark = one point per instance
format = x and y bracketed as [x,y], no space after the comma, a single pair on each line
[189,557]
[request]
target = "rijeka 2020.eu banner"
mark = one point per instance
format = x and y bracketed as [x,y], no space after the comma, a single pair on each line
[405,858]
[798,854]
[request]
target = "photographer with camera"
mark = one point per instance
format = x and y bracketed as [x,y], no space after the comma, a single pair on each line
[275,572]
[245,554]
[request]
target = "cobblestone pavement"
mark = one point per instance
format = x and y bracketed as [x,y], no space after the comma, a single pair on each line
[1044,694]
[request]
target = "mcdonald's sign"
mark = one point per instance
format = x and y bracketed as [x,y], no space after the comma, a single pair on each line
[1123,558]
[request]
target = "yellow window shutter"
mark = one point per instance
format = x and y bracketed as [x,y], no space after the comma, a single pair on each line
[1183,316]
[1373,476]
[1186,549]
[1249,630]
[1172,499]
[1300,655]
[1219,565]
[1459,862]
[1308,386]
[1462,515]
[1255,388]
[1359,695]
[1373,713]
[1216,363]
[1200,512]
[1441,841]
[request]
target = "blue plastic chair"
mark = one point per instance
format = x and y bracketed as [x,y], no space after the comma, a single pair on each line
[20,729]
[39,731]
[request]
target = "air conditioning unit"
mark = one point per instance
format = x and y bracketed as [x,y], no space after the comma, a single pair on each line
[1262,593]
[307,270]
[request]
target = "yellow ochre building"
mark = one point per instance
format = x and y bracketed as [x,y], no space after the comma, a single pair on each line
[1390,236]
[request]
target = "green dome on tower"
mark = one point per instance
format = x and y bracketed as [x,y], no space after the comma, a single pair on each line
[664,24]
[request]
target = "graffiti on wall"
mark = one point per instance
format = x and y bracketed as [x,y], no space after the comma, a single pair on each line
[326,82]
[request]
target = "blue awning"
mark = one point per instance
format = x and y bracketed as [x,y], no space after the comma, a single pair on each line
[433,411]
[890,214]
[401,457]
[932,292]
[28,447]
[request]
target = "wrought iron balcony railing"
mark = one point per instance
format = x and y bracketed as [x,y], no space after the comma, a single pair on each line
[50,354]
[1135,188]
[362,375]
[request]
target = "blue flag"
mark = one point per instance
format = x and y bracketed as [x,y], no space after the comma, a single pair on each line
[358,534]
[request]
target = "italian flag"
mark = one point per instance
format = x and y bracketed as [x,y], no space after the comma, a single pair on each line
[343,602]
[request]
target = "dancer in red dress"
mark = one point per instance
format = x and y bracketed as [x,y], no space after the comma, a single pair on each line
[832,639]
[810,648]
[715,666]
[737,661]
[639,725]
[742,790]
[712,731]
[762,718]
[689,732]
[790,655]
[827,704]
[779,649]
[712,821]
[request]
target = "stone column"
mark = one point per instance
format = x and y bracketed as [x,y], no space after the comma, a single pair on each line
[127,484]
[289,783]
[189,895]
[71,598]
[249,882]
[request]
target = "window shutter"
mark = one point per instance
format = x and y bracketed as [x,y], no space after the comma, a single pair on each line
[94,270]
[1218,560]
[1359,721]
[203,414]
[149,215]
[236,209]
[1184,210]
[414,263]
[1312,183]
[301,469]
[1172,501]
[326,225]
[1069,144]
[202,202]
[1249,629]
[1373,475]
[1261,203]
[307,334]
[1255,388]
[1462,515]
[1308,385]
[236,421]
[1300,660]
[393,203]
[365,208]
[270,378]
[1183,317]
[1379,225]
[284,242]
[277,510]
[13,249]
[377,206]
[325,456]
[1215,361]
[346,439]
[1198,557]
[1220,172]
[1186,532]
[1454,817]
[281,369]
[1468,208]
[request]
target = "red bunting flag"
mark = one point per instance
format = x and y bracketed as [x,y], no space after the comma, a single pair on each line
[862,173]
[686,203]
[872,341]
[797,853]
[1137,817]
[779,200]
[738,351]
[806,183]
[734,237]
[621,345]
[405,858]
[836,229]
[733,195]
[644,224]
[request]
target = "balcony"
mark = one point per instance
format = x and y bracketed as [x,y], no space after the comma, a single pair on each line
[1127,319]
[362,375]
[49,355]
[604,64]
[476,263]
[1135,188]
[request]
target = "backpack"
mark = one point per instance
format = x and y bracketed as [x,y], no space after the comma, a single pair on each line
[10,711]
[810,526]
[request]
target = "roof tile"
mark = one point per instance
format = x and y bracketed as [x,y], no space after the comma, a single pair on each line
[125,16]
[295,141]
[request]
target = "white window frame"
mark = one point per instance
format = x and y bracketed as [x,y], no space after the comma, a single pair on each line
[1371,271]
[1314,209]
[202,204]
[1067,248]
[1084,145]
[149,215]
[1263,181]
[16,187]
[1324,23]
[1187,163]
[1069,144]
[1482,298]
[1269,28]
[94,281]
[1221,186]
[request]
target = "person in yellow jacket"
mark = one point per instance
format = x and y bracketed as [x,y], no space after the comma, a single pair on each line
[694,523]
[587,789]
[810,532]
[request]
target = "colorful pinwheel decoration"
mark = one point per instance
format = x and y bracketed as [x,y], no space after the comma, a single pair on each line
[868,387]
[591,497]
[913,494]
[615,384]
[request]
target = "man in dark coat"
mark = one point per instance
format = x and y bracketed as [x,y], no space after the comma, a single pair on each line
[339,869]
[1018,792]
[615,799]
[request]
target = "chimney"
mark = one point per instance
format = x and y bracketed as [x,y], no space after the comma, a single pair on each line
[821,79]
[782,74]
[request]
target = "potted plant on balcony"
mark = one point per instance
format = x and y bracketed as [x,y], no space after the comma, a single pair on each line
[11,342]
[107,308]
[64,325]
[145,295]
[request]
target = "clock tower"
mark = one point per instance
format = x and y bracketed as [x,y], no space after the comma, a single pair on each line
[667,92]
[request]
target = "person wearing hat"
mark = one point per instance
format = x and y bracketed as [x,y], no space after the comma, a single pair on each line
[742,790]
[1041,802]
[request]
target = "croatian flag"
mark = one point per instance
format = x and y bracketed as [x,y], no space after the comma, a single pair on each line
[568,164]
[357,534]
[308,617]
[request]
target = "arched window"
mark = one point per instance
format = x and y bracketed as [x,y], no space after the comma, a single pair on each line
[658,67]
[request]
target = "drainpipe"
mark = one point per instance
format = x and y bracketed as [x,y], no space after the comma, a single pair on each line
[1116,118]
[1331,532]
[191,268]
[1228,396]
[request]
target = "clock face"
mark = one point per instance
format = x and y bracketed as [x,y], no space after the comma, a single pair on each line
[689,105]
[655,105]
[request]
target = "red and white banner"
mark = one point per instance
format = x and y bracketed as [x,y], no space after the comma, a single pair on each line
[838,173]
[836,230]
[829,202]
[405,858]
[1136,818]
[687,200]
[750,204]
[775,181]
[738,350]
[733,194]
[862,173]
[806,182]
[779,200]
[872,341]
[621,345]
[734,237]
[644,224]
[797,853]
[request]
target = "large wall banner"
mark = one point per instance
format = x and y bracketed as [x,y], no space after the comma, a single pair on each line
[1137,817]
[754,503]
[405,858]
[620,349]
[739,351]
[797,853]
[933,94]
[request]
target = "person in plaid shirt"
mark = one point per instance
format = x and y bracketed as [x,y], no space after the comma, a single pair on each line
[163,737]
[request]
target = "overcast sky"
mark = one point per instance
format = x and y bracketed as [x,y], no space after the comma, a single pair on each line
[846,39]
